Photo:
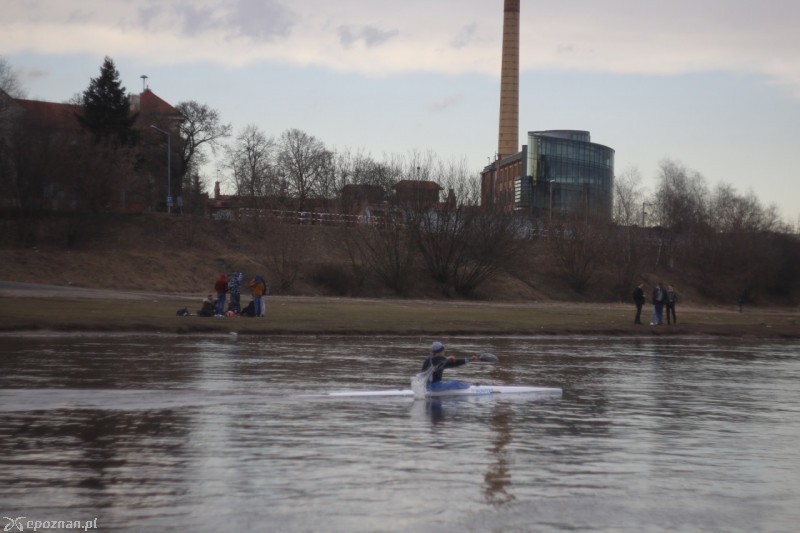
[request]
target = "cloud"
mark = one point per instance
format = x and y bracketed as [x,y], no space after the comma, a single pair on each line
[617,36]
[466,36]
[197,20]
[370,35]
[252,19]
[565,48]
[148,14]
[263,20]
[445,103]
[32,74]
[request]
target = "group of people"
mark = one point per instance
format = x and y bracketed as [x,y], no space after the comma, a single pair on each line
[232,285]
[662,298]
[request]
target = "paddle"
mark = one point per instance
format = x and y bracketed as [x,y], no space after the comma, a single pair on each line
[485,357]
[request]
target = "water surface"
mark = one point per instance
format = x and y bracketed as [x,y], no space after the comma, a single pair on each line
[219,434]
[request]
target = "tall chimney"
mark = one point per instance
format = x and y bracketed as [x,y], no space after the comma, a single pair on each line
[508,141]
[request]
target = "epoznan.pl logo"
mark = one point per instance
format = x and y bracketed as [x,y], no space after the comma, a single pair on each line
[14,524]
[20,524]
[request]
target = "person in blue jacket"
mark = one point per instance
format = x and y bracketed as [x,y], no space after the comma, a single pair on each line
[439,362]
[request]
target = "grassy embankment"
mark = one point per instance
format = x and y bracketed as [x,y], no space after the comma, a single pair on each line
[177,259]
[304,315]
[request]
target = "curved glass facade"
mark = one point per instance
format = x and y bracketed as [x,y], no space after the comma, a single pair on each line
[569,175]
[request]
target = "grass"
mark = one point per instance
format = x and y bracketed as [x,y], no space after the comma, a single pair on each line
[310,315]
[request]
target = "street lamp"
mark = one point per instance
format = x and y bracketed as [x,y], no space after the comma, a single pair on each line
[169,167]
[551,199]
[648,204]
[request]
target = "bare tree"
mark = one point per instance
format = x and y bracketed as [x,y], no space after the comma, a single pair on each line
[368,171]
[344,165]
[730,212]
[201,127]
[460,247]
[578,251]
[739,253]
[414,165]
[357,168]
[251,159]
[286,250]
[440,237]
[9,80]
[384,250]
[679,207]
[626,244]
[680,199]
[441,231]
[629,198]
[490,245]
[305,164]
[456,176]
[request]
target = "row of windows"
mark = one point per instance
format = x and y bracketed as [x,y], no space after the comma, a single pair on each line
[562,149]
[565,171]
[571,135]
[562,199]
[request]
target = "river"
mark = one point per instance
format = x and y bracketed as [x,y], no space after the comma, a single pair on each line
[176,433]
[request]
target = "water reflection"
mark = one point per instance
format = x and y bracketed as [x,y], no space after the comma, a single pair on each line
[81,457]
[497,479]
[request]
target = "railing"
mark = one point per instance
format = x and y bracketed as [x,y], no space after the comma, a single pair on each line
[311,218]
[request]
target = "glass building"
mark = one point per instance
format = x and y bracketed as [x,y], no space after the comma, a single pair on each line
[567,175]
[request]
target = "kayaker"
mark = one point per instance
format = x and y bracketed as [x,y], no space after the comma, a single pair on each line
[439,361]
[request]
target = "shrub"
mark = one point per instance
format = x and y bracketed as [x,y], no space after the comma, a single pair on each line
[335,279]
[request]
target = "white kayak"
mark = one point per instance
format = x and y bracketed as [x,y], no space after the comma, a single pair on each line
[472,390]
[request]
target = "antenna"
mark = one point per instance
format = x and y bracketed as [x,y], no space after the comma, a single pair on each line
[144,81]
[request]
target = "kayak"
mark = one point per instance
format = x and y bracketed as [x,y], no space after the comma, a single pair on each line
[472,390]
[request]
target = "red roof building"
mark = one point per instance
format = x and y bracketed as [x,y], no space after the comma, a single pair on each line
[417,193]
[34,120]
[49,115]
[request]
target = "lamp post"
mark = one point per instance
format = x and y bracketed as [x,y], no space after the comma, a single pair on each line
[648,204]
[169,167]
[551,199]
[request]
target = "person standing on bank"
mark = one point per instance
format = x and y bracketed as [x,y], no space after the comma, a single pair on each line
[235,288]
[638,299]
[221,287]
[658,305]
[439,362]
[258,287]
[671,300]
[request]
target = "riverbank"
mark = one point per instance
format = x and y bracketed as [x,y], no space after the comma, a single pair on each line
[42,308]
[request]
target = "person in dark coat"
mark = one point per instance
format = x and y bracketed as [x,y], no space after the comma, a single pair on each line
[439,362]
[208,307]
[671,300]
[638,299]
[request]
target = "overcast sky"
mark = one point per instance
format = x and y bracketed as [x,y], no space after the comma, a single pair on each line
[712,84]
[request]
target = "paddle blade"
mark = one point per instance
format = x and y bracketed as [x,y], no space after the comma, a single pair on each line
[488,357]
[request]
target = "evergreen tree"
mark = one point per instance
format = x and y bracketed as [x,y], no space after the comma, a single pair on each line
[106,108]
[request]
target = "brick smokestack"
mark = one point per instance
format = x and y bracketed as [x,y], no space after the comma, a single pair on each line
[508,141]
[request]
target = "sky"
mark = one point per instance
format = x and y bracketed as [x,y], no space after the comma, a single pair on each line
[713,85]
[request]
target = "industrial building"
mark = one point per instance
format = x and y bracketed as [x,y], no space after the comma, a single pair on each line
[559,173]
